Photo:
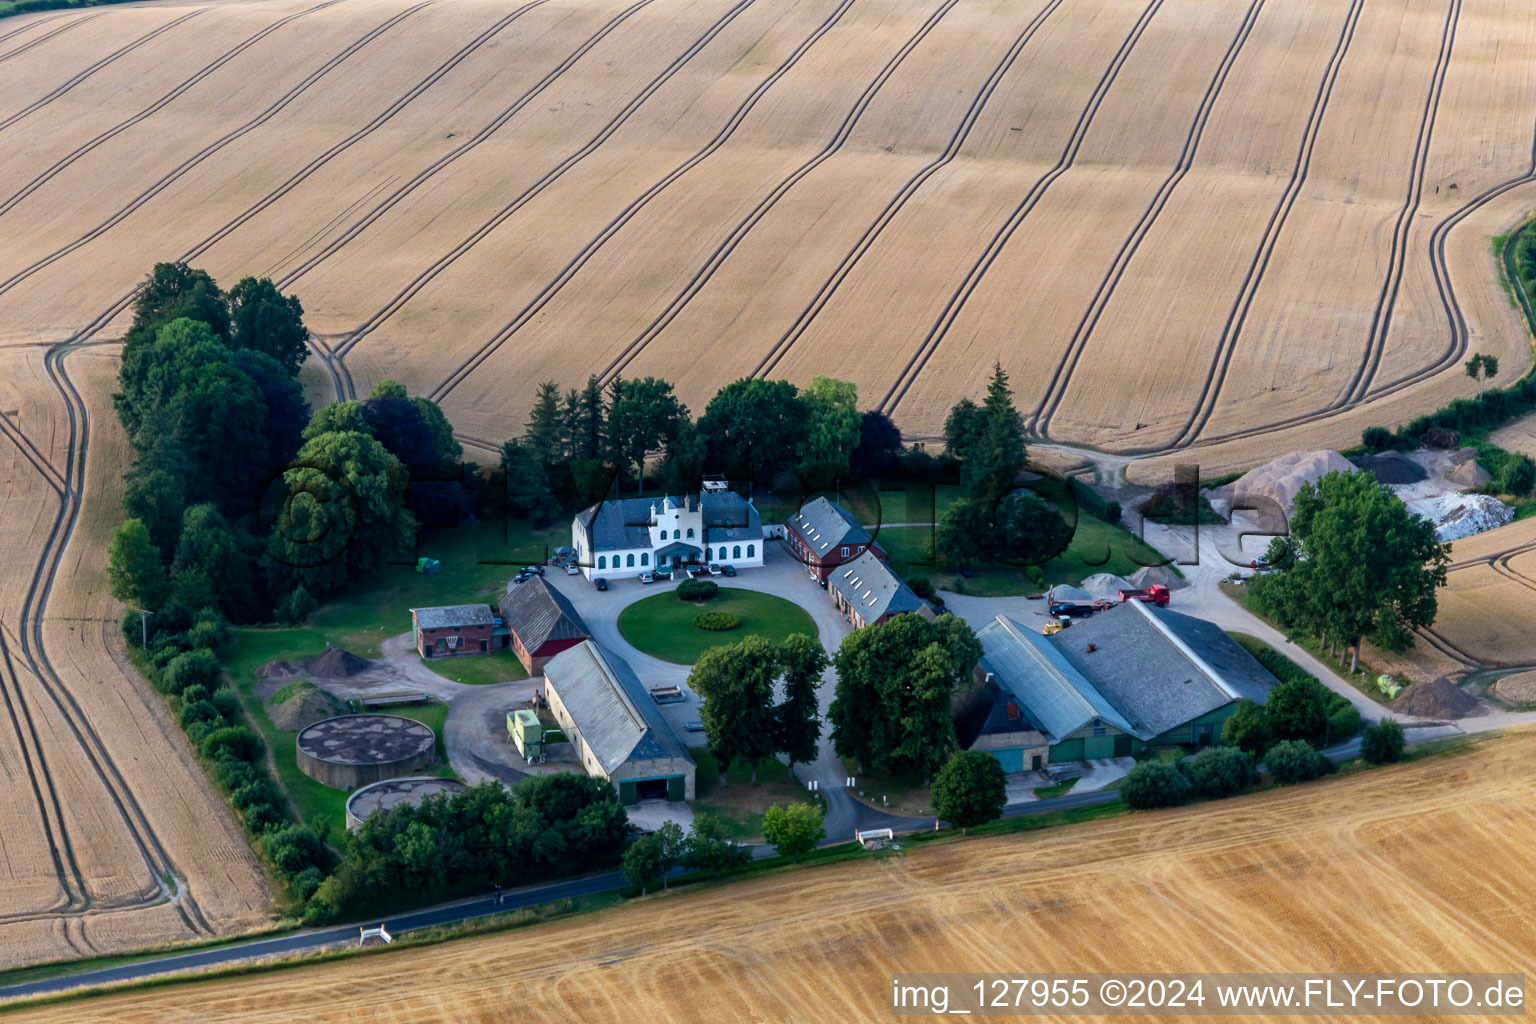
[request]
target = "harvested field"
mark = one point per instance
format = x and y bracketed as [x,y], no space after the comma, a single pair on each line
[1267,883]
[705,188]
[1224,231]
[1488,610]
[1519,436]
[106,808]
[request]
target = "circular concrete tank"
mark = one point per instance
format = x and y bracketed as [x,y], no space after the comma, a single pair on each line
[391,793]
[355,750]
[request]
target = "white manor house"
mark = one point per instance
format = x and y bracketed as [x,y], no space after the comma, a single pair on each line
[634,535]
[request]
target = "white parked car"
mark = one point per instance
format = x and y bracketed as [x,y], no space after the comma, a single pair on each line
[714,570]
[571,570]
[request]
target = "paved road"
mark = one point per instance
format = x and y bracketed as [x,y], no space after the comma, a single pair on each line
[463,910]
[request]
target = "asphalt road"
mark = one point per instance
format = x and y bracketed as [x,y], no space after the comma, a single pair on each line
[450,913]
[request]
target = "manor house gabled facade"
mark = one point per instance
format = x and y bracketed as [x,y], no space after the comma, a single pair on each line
[633,535]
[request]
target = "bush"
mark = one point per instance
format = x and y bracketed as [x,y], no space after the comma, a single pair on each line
[1154,784]
[921,586]
[260,819]
[1247,728]
[293,849]
[970,789]
[191,668]
[228,704]
[1517,476]
[697,590]
[233,741]
[257,791]
[231,775]
[297,606]
[1383,743]
[1220,771]
[1343,719]
[717,622]
[1292,761]
[199,711]
[1298,709]
[1377,439]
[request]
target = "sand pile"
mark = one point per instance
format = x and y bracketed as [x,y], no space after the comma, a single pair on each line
[1107,586]
[335,663]
[301,704]
[277,669]
[1465,470]
[1391,468]
[1269,492]
[1441,699]
[1158,574]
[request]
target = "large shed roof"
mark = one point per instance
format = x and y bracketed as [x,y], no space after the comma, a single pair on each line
[450,615]
[826,526]
[872,589]
[1056,696]
[538,613]
[617,719]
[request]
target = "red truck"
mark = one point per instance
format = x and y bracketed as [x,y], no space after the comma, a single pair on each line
[1156,594]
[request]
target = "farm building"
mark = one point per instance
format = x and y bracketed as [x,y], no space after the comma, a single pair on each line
[540,622]
[615,727]
[454,629]
[824,535]
[868,592]
[1131,677]
[631,535]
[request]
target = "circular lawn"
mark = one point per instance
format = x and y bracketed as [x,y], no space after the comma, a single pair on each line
[662,625]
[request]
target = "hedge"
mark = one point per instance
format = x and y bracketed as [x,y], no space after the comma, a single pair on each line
[717,622]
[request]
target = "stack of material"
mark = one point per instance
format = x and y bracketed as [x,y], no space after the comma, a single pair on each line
[1269,492]
[335,663]
[1068,594]
[1391,468]
[1158,575]
[1441,699]
[1107,586]
[1461,515]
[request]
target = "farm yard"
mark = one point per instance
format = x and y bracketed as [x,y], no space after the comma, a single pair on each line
[1184,228]
[1265,883]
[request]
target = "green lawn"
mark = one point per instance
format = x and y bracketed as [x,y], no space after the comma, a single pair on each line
[479,670]
[662,626]
[1096,547]
[478,559]
[317,805]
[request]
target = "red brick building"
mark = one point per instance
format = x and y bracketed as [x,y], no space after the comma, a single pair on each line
[541,622]
[454,629]
[823,536]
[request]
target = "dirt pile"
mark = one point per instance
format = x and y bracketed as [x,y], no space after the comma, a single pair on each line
[1154,575]
[1107,586]
[1268,494]
[1441,699]
[335,663]
[276,669]
[1391,468]
[300,704]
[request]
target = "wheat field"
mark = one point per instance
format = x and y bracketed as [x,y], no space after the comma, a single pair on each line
[1488,608]
[1206,231]
[1274,882]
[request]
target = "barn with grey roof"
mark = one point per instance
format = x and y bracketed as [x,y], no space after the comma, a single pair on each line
[868,592]
[823,535]
[617,730]
[541,622]
[1130,677]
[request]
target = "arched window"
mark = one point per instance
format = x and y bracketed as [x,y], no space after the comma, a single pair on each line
[602,561]
[736,551]
[690,533]
[709,554]
[645,558]
[674,535]
[629,561]
[751,548]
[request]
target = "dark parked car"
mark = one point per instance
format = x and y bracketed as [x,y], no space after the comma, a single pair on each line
[600,583]
[536,570]
[522,577]
[727,570]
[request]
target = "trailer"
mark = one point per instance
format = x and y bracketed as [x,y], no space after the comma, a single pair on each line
[668,695]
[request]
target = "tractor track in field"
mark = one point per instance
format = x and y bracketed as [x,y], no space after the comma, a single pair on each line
[548,178]
[166,180]
[36,458]
[978,269]
[1061,378]
[110,58]
[614,226]
[1192,433]
[1386,302]
[40,40]
[1237,316]
[29,27]
[490,128]
[412,94]
[80,151]
[744,227]
[33,653]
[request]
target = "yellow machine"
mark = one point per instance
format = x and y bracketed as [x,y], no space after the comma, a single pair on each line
[1054,626]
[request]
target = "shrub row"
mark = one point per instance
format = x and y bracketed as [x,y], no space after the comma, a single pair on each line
[717,622]
[1218,772]
[178,660]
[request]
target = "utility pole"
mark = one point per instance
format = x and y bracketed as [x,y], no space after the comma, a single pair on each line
[143,626]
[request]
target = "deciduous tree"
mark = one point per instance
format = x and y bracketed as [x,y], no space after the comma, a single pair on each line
[970,789]
[794,830]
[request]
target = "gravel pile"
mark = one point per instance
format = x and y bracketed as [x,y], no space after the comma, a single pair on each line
[1391,468]
[335,663]
[1441,699]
